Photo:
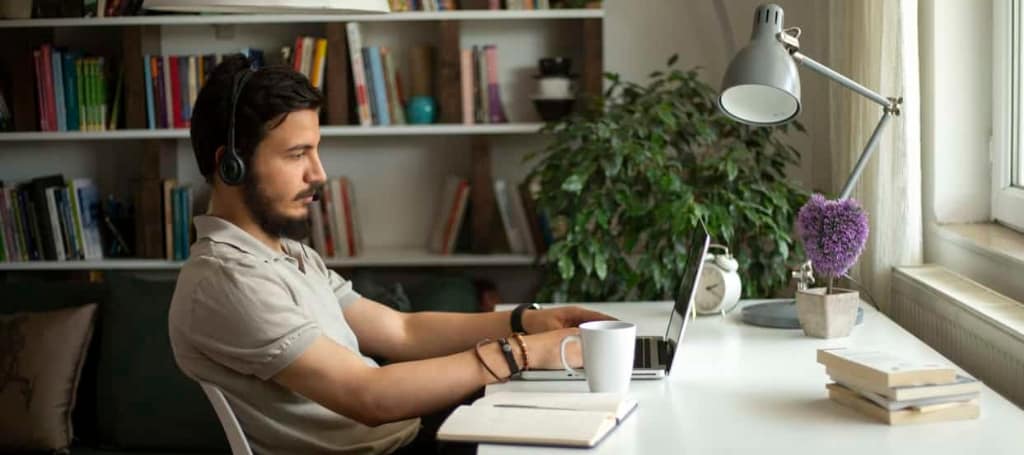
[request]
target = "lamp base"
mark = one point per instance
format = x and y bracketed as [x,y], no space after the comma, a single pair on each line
[777,314]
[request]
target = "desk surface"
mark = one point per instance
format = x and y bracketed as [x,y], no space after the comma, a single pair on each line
[740,388]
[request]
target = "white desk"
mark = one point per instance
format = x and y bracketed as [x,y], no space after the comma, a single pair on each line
[739,388]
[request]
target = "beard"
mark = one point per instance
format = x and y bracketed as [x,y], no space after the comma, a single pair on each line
[273,222]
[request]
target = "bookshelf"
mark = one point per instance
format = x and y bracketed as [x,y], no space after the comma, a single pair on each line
[397,171]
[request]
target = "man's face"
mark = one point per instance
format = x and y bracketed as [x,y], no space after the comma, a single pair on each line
[283,174]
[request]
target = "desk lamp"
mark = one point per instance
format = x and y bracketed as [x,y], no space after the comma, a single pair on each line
[761,87]
[271,6]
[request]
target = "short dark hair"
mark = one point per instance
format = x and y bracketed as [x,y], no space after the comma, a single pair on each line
[269,95]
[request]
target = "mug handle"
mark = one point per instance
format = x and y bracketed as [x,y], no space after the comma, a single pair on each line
[561,351]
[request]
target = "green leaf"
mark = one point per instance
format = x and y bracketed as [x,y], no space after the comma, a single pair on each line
[566,268]
[573,184]
[601,266]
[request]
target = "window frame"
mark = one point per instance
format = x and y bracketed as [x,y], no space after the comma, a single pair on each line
[1007,133]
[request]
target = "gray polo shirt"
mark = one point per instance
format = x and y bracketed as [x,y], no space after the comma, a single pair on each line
[242,312]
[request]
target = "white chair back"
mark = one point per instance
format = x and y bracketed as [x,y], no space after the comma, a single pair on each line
[233,430]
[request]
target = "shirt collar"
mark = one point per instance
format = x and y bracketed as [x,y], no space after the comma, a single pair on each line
[224,231]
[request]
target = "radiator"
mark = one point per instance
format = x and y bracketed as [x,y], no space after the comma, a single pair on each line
[979,329]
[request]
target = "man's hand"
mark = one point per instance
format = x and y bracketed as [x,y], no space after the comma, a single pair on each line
[544,350]
[538,321]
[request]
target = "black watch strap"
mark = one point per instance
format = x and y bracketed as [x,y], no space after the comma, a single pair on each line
[517,316]
[510,357]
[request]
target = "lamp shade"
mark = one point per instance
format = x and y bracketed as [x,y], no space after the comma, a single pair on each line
[271,6]
[761,86]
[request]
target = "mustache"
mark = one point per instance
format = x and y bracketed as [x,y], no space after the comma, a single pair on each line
[314,190]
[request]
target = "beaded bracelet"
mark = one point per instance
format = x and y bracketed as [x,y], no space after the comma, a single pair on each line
[480,357]
[522,345]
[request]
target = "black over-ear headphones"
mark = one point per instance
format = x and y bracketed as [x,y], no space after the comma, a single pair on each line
[232,168]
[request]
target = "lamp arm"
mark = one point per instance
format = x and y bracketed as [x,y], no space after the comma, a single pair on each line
[887,103]
[862,162]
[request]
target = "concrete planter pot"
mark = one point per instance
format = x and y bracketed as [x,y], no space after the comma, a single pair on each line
[825,315]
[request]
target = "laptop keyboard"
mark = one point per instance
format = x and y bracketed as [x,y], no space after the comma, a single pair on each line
[649,352]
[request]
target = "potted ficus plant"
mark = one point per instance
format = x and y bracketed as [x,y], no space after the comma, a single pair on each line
[833,234]
[625,180]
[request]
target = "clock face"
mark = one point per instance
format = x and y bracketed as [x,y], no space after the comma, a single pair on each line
[710,290]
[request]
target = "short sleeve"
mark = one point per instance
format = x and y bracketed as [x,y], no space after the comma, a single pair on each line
[342,289]
[246,319]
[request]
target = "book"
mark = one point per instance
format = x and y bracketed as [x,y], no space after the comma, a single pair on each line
[885,369]
[926,414]
[895,405]
[513,232]
[961,385]
[556,419]
[355,43]
[466,82]
[380,92]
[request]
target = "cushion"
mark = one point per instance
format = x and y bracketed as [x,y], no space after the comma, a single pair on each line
[144,402]
[41,357]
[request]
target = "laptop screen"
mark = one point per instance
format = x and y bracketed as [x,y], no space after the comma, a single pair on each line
[697,248]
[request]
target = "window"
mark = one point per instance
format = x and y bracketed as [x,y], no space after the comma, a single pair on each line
[1008,115]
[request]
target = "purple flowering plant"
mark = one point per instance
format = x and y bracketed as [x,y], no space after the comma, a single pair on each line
[833,234]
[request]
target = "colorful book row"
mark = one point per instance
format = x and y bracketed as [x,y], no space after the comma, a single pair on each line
[379,97]
[177,217]
[48,219]
[71,91]
[452,5]
[309,57]
[481,91]
[172,84]
[334,221]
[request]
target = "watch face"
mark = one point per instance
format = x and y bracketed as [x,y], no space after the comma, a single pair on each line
[711,289]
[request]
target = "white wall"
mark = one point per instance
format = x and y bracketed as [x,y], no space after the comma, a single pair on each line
[639,39]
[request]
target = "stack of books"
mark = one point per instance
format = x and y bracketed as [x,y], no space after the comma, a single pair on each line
[896,391]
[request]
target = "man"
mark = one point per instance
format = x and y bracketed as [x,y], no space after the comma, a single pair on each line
[288,341]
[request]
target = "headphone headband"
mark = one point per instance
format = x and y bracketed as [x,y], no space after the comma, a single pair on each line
[232,168]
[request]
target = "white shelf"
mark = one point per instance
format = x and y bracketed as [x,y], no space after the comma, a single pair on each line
[390,258]
[326,131]
[106,264]
[235,19]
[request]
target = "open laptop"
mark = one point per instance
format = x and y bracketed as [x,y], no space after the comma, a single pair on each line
[654,355]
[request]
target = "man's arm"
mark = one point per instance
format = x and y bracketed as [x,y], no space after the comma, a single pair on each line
[338,379]
[396,336]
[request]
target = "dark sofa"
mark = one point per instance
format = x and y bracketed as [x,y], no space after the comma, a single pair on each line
[131,397]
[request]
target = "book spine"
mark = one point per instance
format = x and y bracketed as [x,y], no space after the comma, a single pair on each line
[355,45]
[17,208]
[380,96]
[346,200]
[308,46]
[483,114]
[75,207]
[319,63]
[460,212]
[371,93]
[168,98]
[81,77]
[89,201]
[67,226]
[497,110]
[56,62]
[54,227]
[44,124]
[178,91]
[193,90]
[394,101]
[5,249]
[51,106]
[466,80]
[148,71]
[71,91]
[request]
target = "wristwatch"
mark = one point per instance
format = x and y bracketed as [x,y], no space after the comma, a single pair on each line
[517,316]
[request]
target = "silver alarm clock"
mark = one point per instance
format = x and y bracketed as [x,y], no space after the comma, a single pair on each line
[719,287]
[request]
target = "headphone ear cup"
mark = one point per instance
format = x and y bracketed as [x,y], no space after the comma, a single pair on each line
[232,169]
[727,263]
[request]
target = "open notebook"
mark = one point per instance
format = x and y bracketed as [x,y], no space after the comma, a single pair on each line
[555,419]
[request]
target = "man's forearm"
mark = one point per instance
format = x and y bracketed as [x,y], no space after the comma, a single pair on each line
[433,334]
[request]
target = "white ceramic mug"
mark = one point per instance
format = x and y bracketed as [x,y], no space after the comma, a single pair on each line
[607,354]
